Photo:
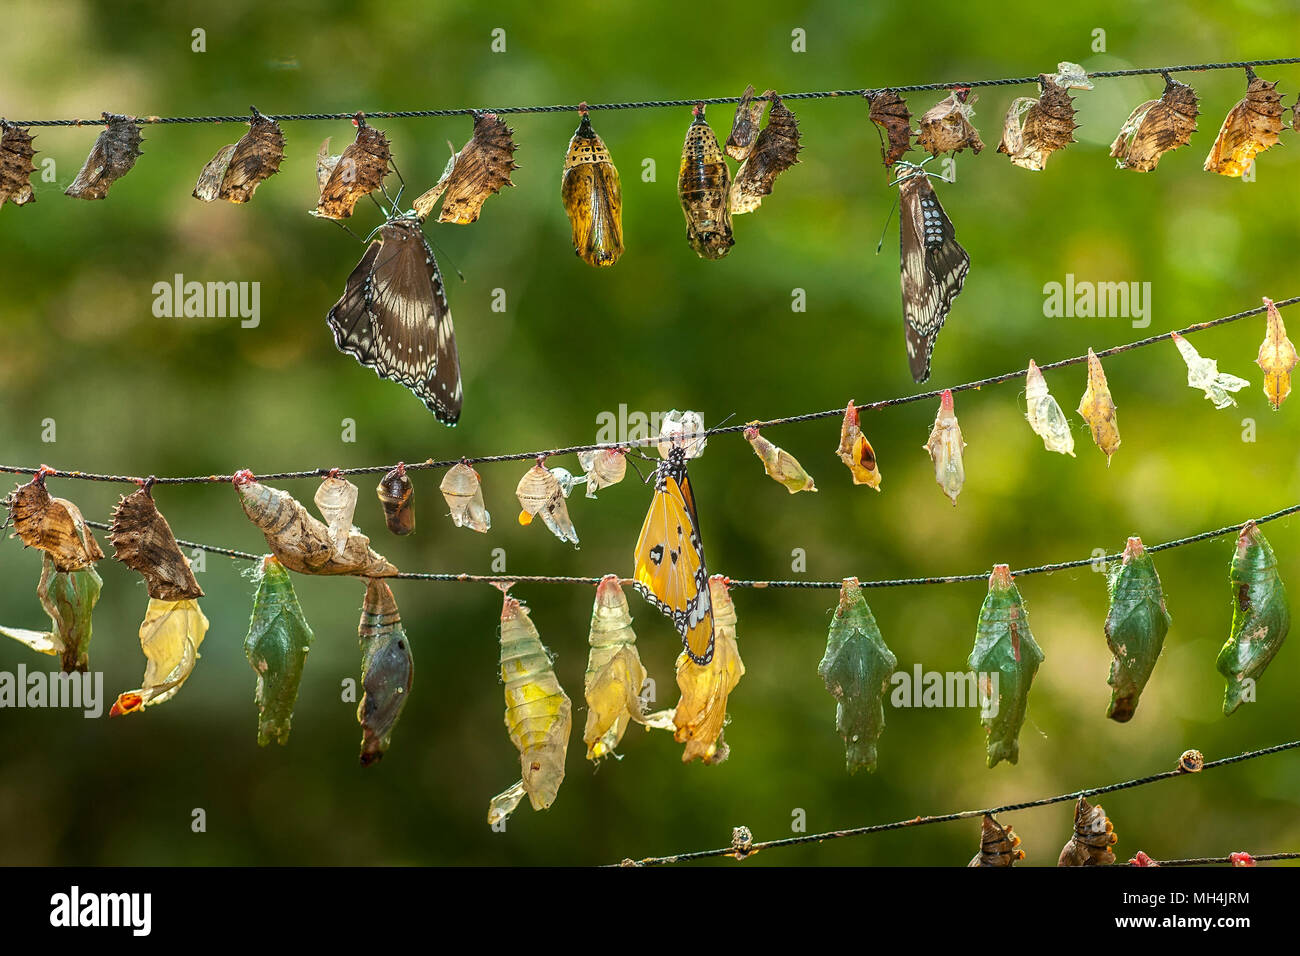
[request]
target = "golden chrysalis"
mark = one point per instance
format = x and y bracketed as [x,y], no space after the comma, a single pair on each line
[615,674]
[54,525]
[114,153]
[703,186]
[143,541]
[593,198]
[781,466]
[775,151]
[1156,127]
[396,494]
[464,495]
[744,126]
[16,166]
[352,175]
[856,452]
[1277,357]
[1098,409]
[1250,127]
[238,169]
[946,126]
[480,169]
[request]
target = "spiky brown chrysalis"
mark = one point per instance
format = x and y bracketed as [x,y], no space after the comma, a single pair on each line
[1251,127]
[946,126]
[143,541]
[54,525]
[890,113]
[16,166]
[481,168]
[114,153]
[775,151]
[355,173]
[1037,127]
[238,169]
[1156,127]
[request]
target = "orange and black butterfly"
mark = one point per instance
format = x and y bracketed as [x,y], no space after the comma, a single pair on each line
[670,570]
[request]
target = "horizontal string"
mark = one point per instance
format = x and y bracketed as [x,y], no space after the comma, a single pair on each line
[1208,860]
[431,464]
[752,848]
[659,104]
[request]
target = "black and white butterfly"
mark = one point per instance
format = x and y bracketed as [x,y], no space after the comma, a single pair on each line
[933,265]
[393,317]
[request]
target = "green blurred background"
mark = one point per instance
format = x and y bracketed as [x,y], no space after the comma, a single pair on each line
[135,394]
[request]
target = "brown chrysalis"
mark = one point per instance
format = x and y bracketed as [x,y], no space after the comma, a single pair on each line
[1251,127]
[744,127]
[592,196]
[54,525]
[355,173]
[16,166]
[396,494]
[481,168]
[238,169]
[890,113]
[703,187]
[143,541]
[1036,128]
[1092,839]
[1156,127]
[775,151]
[999,845]
[114,153]
[946,126]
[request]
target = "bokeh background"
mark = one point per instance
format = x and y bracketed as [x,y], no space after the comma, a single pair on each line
[132,393]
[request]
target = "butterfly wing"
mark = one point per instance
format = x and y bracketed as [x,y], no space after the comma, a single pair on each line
[933,267]
[670,571]
[393,317]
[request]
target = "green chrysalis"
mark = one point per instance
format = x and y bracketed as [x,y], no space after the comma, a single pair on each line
[68,598]
[386,670]
[1005,659]
[1260,617]
[1135,628]
[276,647]
[856,669]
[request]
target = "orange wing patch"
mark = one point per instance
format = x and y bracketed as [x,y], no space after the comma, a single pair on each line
[670,571]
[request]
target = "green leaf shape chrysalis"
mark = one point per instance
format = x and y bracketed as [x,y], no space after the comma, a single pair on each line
[1261,617]
[1005,659]
[68,598]
[1136,626]
[856,670]
[276,647]
[387,670]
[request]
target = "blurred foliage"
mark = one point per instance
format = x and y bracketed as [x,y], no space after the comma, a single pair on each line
[135,394]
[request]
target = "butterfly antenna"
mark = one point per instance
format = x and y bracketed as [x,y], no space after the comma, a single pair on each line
[398,201]
[447,258]
[349,231]
[881,244]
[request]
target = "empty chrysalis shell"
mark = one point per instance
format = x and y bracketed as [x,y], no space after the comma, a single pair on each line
[781,466]
[1044,414]
[539,492]
[1136,625]
[1093,836]
[170,636]
[16,165]
[1277,357]
[999,845]
[856,452]
[685,429]
[464,495]
[603,467]
[1005,659]
[890,114]
[775,151]
[396,494]
[387,670]
[481,168]
[238,169]
[744,126]
[593,198]
[1203,373]
[336,500]
[276,647]
[615,674]
[1037,127]
[1098,409]
[1250,127]
[1191,761]
[703,187]
[68,597]
[945,447]
[114,153]
[143,541]
[352,175]
[946,126]
[856,669]
[1156,127]
[1261,617]
[54,525]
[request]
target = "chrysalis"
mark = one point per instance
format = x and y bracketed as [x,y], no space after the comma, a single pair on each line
[539,714]
[702,711]
[387,670]
[1092,839]
[945,448]
[464,495]
[301,542]
[16,166]
[481,168]
[143,541]
[615,674]
[745,126]
[539,492]
[351,176]
[396,494]
[703,186]
[1277,357]
[114,153]
[54,525]
[856,669]
[856,452]
[336,500]
[946,126]
[276,647]
[1156,127]
[1203,373]
[1044,414]
[1037,127]
[999,845]
[1261,617]
[68,597]
[1250,127]
[781,466]
[238,169]
[1005,659]
[776,150]
[603,467]
[1098,409]
[170,636]
[889,112]
[1136,625]
[593,198]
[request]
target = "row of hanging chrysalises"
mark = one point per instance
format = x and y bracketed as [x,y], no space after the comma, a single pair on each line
[394,317]
[669,571]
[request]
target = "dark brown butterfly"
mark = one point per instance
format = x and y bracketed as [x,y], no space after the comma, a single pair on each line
[16,166]
[114,153]
[933,265]
[143,541]
[393,317]
[238,169]
[355,173]
[890,113]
